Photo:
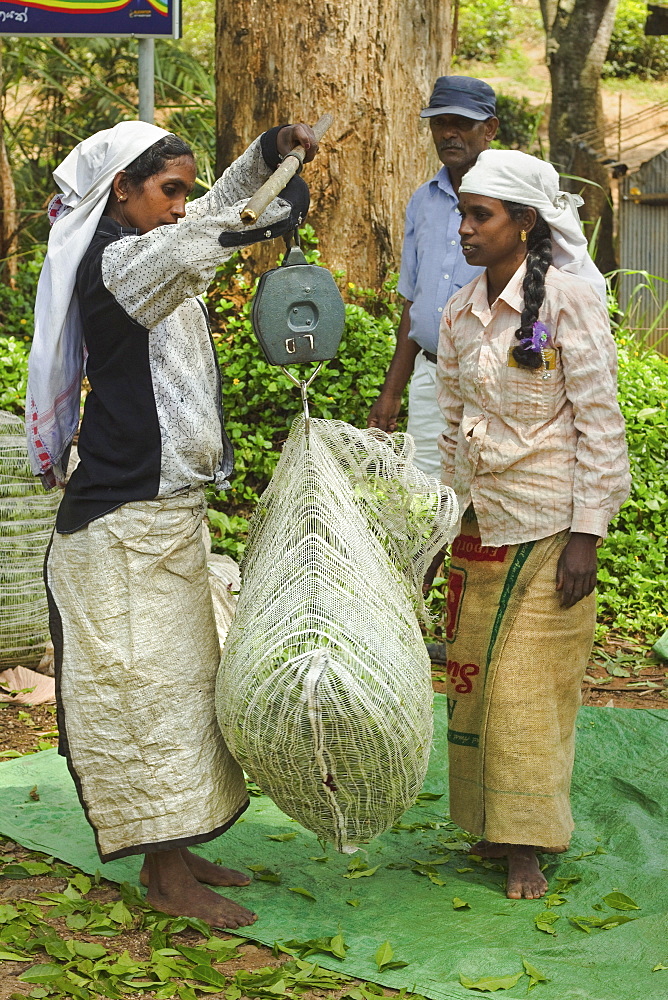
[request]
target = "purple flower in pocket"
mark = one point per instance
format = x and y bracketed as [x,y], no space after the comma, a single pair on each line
[539,340]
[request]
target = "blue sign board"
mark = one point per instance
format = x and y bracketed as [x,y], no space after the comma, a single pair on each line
[116,18]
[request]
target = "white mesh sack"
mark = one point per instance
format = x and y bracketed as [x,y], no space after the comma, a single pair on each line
[324,692]
[27,516]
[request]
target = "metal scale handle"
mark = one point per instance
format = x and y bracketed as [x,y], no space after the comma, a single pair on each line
[297,307]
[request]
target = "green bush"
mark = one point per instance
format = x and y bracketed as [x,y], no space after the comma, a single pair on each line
[631,52]
[633,573]
[16,304]
[484,29]
[13,374]
[518,123]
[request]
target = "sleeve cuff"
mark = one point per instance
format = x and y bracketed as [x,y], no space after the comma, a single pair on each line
[269,146]
[296,194]
[590,521]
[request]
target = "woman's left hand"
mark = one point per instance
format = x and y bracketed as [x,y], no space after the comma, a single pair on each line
[576,569]
[297,135]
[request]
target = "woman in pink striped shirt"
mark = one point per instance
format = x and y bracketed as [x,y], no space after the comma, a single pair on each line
[534,447]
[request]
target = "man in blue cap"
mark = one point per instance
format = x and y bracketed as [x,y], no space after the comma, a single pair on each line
[462,117]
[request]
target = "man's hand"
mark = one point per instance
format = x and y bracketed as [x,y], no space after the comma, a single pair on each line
[576,569]
[297,135]
[384,412]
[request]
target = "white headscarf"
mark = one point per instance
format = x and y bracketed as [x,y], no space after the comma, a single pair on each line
[510,175]
[55,364]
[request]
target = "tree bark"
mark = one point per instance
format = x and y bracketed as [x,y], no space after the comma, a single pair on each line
[577,39]
[8,212]
[372,64]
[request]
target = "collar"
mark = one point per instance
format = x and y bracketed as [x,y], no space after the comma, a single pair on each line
[110,227]
[442,181]
[511,295]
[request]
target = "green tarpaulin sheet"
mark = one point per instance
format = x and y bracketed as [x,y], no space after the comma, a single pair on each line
[620,798]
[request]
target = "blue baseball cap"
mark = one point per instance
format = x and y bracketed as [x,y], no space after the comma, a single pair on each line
[461,95]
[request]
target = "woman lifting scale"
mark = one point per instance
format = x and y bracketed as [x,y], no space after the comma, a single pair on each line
[131,616]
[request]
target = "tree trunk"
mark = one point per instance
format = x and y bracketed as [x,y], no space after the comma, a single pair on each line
[372,64]
[578,34]
[8,212]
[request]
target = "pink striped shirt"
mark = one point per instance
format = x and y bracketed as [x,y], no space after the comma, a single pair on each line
[535,455]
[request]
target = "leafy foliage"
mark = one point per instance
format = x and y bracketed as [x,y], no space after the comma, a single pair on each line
[484,29]
[13,374]
[631,52]
[519,122]
[633,562]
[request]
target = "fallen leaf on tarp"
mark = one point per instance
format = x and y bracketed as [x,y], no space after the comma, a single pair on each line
[303,892]
[534,975]
[490,984]
[353,902]
[30,687]
[263,874]
[331,945]
[659,966]
[545,921]
[384,958]
[281,837]
[361,872]
[619,901]
[459,904]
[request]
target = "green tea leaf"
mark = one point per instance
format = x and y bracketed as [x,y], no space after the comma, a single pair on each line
[430,796]
[534,975]
[281,837]
[353,902]
[659,966]
[82,883]
[384,955]
[490,984]
[263,874]
[87,949]
[618,901]
[545,921]
[459,904]
[303,892]
[43,973]
[197,955]
[11,956]
[321,859]
[362,873]
[338,946]
[206,974]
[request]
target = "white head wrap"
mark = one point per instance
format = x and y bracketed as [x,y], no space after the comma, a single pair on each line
[56,358]
[510,175]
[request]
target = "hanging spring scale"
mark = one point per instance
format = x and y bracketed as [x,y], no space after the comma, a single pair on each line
[298,314]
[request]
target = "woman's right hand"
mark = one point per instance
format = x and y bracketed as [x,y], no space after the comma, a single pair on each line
[576,569]
[297,135]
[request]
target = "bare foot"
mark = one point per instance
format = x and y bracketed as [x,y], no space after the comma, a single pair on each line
[204,871]
[487,849]
[525,879]
[173,889]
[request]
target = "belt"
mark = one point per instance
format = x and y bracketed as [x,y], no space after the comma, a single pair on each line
[430,357]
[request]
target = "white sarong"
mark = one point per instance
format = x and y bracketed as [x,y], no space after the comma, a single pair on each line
[137,654]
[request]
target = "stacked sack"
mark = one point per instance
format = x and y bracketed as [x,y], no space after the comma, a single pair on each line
[27,516]
[324,692]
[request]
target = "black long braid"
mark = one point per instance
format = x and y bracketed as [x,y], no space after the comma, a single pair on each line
[539,259]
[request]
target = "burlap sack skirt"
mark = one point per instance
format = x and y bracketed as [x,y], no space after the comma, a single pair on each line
[516,659]
[136,655]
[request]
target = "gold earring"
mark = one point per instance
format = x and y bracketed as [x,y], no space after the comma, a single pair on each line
[122,198]
[523,236]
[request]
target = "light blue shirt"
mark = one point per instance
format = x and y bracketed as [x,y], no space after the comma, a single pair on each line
[433,267]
